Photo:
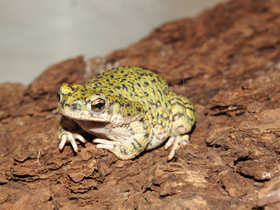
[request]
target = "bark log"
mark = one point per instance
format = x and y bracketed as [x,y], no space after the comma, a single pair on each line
[227,61]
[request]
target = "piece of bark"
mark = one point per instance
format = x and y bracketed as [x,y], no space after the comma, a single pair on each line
[226,61]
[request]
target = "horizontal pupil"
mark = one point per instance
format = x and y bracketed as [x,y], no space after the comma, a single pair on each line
[99,105]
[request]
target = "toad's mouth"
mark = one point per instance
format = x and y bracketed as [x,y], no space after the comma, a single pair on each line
[92,126]
[84,115]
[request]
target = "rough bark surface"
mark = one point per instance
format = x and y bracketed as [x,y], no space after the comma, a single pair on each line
[227,61]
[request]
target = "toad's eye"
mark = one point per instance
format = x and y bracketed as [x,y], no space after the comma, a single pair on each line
[98,105]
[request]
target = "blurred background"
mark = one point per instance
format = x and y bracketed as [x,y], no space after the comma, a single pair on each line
[39,33]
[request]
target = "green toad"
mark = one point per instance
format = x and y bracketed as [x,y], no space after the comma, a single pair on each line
[129,109]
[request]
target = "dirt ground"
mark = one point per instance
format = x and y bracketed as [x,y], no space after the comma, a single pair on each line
[227,61]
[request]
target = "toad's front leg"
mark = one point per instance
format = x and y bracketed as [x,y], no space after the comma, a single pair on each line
[68,136]
[127,148]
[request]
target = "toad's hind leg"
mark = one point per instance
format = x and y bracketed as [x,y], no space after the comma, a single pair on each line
[183,113]
[183,118]
[176,141]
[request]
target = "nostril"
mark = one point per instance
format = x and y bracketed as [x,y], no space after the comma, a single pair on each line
[75,106]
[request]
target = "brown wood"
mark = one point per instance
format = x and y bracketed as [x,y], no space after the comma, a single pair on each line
[227,61]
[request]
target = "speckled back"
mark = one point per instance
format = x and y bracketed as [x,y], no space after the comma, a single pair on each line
[132,83]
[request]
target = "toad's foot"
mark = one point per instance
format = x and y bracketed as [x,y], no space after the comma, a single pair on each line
[177,141]
[124,151]
[67,136]
[106,144]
